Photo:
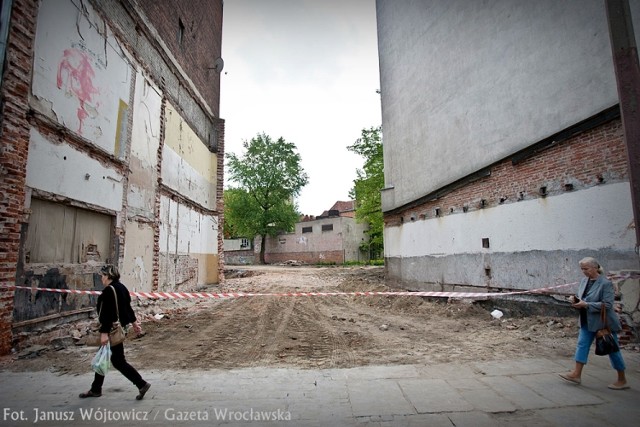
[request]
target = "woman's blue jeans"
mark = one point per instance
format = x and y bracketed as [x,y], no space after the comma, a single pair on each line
[585,339]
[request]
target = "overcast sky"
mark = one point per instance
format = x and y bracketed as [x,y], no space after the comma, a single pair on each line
[307,71]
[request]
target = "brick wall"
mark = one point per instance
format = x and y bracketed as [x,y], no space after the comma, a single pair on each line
[180,272]
[591,158]
[14,146]
[336,257]
[240,257]
[219,126]
[201,39]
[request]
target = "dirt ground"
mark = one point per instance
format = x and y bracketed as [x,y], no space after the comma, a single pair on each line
[318,331]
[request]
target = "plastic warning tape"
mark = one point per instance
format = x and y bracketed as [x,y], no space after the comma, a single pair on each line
[227,295]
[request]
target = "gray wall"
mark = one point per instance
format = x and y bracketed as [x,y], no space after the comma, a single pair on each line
[478,81]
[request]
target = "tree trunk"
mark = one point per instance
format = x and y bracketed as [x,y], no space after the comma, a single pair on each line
[264,238]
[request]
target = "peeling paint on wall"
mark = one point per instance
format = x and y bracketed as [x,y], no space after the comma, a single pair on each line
[185,232]
[188,167]
[75,77]
[61,169]
[81,74]
[139,271]
[137,266]
[121,128]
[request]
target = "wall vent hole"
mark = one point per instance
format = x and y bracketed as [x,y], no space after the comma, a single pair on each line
[543,191]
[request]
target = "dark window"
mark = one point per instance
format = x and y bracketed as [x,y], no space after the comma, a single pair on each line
[327,227]
[307,229]
[180,31]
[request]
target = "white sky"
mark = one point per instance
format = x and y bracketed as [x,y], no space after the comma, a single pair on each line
[307,71]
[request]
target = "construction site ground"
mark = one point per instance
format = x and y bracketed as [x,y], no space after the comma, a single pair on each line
[312,332]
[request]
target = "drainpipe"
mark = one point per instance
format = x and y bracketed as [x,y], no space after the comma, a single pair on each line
[627,71]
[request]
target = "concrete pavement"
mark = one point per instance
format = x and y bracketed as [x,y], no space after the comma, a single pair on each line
[523,392]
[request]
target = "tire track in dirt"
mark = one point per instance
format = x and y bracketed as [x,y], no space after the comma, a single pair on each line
[315,339]
[320,332]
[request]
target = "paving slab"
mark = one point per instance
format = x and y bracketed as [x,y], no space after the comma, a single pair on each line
[432,396]
[379,397]
[561,394]
[487,401]
[518,393]
[518,367]
[522,392]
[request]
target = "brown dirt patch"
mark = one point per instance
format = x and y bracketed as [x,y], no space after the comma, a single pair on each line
[318,332]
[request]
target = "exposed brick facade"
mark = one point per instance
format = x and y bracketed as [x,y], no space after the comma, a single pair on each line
[201,46]
[14,147]
[200,42]
[219,126]
[591,158]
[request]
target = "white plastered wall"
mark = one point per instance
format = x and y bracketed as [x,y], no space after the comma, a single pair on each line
[81,76]
[59,168]
[570,222]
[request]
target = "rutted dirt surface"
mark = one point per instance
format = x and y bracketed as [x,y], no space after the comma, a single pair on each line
[317,331]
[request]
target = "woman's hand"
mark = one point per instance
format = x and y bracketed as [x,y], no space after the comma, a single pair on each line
[137,328]
[580,304]
[104,338]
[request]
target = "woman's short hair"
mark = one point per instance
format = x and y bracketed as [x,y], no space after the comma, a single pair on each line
[592,262]
[111,271]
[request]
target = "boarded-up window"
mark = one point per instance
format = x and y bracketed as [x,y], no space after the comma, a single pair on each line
[307,229]
[327,227]
[66,234]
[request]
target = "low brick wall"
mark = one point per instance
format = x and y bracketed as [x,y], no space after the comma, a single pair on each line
[247,257]
[324,257]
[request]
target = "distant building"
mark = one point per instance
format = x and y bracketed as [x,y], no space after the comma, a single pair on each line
[111,151]
[504,153]
[239,251]
[333,237]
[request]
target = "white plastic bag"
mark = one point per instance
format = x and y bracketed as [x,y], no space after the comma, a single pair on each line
[496,314]
[102,360]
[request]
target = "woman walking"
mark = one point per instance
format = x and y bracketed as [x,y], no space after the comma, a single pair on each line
[116,306]
[595,293]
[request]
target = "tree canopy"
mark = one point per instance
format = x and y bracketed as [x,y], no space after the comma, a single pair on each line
[268,177]
[367,187]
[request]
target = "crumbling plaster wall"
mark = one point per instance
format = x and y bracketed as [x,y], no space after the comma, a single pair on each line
[189,224]
[82,77]
[140,261]
[98,144]
[188,246]
[83,109]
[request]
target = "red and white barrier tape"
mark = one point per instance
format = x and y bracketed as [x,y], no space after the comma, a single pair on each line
[226,295]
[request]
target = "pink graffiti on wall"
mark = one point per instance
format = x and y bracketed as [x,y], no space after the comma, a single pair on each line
[76,74]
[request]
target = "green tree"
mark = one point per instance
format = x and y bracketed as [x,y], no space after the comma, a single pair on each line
[269,176]
[367,187]
[237,200]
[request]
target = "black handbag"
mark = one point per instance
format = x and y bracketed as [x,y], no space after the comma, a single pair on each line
[605,343]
